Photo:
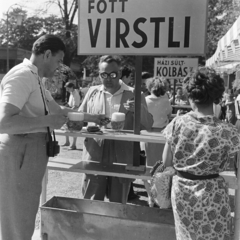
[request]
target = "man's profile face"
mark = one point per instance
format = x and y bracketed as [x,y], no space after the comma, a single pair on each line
[69,89]
[52,62]
[143,85]
[109,83]
[128,79]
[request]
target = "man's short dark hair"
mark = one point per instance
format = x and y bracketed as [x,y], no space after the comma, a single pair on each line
[126,72]
[110,59]
[48,42]
[69,85]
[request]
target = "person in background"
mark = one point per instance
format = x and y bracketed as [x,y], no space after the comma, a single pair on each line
[50,86]
[109,97]
[230,111]
[180,98]
[24,119]
[167,85]
[127,76]
[145,76]
[199,147]
[73,103]
[237,109]
[64,94]
[223,105]
[161,110]
[84,89]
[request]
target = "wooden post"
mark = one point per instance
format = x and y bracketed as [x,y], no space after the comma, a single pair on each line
[174,90]
[237,204]
[137,113]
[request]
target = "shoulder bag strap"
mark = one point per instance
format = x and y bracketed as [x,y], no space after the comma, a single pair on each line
[46,112]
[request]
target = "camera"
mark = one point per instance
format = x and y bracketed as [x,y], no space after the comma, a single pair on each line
[53,149]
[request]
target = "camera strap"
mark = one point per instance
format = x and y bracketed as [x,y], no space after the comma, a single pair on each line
[46,113]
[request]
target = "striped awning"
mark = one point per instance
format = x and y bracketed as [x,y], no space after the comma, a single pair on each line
[228,50]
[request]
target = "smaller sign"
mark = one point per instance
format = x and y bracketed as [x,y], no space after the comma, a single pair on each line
[176,68]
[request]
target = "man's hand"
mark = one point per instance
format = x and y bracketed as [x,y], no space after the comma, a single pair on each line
[56,121]
[130,105]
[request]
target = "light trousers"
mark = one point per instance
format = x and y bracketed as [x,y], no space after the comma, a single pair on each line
[23,162]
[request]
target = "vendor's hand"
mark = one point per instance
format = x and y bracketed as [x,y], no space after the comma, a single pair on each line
[130,105]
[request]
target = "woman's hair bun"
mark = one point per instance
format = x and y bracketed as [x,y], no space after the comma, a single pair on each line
[204,86]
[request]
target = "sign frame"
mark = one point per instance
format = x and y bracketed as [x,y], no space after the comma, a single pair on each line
[95,14]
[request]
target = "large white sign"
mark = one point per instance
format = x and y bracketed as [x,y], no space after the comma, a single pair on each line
[176,68]
[138,27]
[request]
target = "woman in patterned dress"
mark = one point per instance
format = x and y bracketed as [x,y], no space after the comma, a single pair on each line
[199,146]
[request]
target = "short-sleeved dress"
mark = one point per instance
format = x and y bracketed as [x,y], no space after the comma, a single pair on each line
[201,146]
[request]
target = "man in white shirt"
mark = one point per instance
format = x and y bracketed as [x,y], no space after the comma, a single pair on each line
[24,119]
[112,96]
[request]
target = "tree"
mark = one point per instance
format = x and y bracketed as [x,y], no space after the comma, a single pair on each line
[68,10]
[221,15]
[29,31]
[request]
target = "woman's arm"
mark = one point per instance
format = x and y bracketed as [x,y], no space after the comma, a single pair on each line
[167,156]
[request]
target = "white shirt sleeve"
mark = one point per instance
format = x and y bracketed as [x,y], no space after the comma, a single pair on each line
[16,89]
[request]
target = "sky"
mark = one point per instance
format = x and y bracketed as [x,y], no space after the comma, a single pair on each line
[30,6]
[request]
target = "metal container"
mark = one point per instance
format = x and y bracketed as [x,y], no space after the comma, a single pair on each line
[75,219]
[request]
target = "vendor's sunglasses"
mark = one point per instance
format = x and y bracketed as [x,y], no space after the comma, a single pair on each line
[105,75]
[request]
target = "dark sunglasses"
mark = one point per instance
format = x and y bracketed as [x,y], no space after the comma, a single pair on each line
[105,75]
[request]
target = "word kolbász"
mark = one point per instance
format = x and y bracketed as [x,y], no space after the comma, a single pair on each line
[123,28]
[177,71]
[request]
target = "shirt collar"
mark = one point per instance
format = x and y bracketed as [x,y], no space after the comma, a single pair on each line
[123,87]
[29,64]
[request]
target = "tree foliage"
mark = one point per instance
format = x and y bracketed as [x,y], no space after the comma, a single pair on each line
[24,35]
[67,8]
[221,15]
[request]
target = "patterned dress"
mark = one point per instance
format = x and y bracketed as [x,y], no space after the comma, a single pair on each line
[201,146]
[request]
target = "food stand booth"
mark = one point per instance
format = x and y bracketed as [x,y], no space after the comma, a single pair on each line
[165,28]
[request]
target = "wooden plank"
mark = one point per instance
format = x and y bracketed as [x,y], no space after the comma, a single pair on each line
[110,134]
[115,170]
[182,106]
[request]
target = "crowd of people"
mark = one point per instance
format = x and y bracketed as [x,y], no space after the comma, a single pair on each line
[198,144]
